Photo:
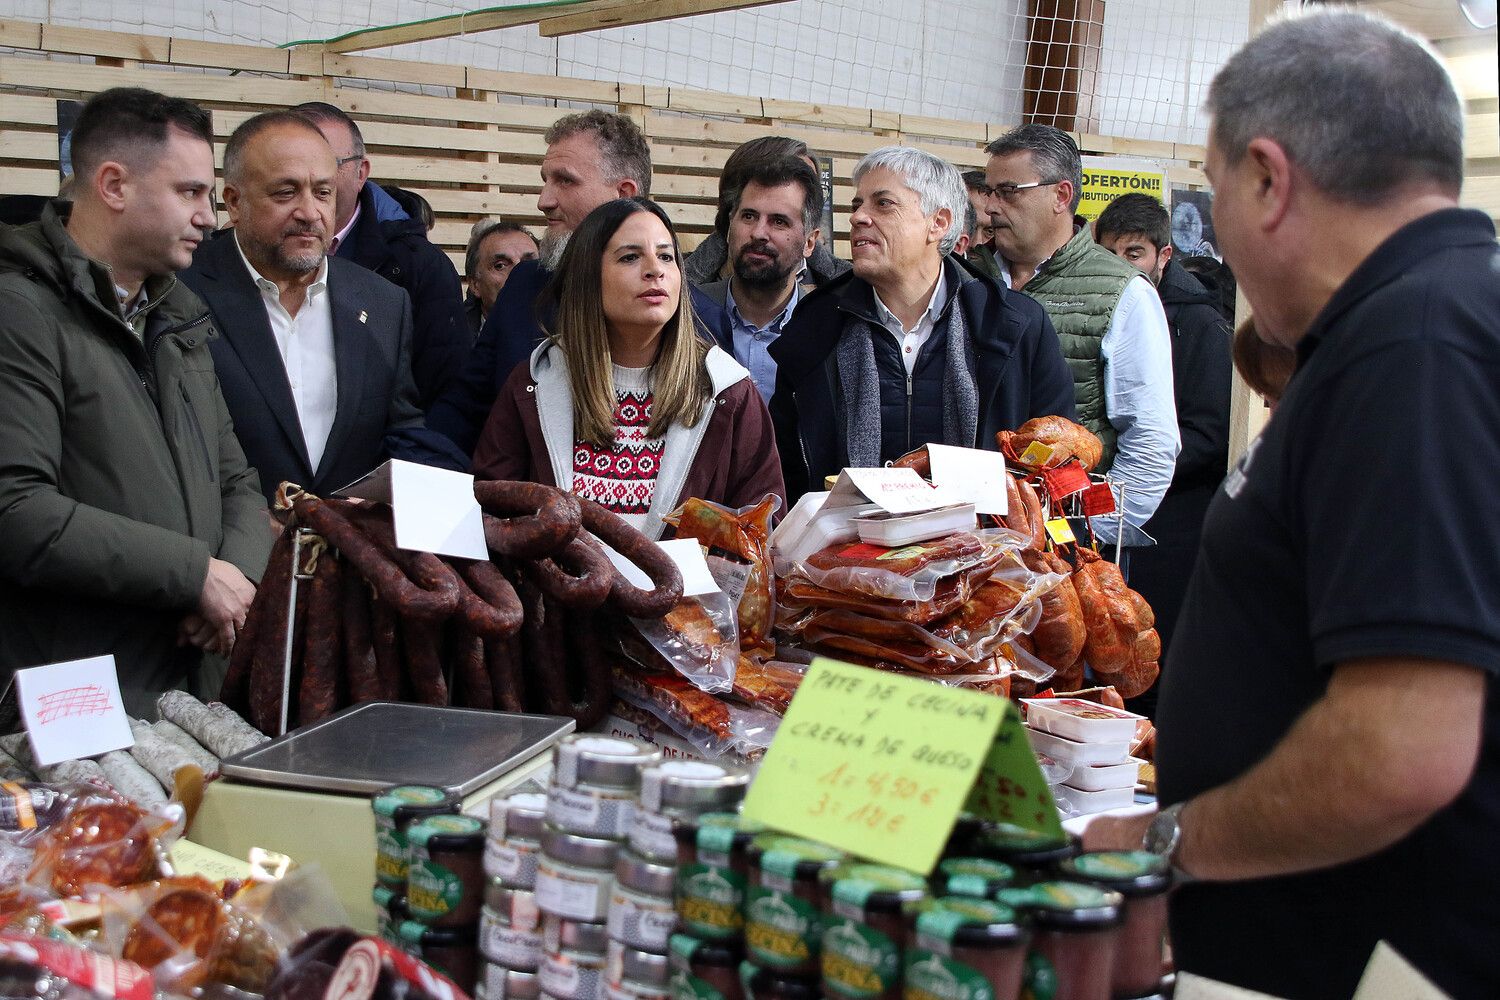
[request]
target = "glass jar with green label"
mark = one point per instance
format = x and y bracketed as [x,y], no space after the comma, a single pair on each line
[783,915]
[979,878]
[713,875]
[395,809]
[966,949]
[1075,929]
[865,929]
[1034,856]
[1143,879]
[453,951]
[445,881]
[704,970]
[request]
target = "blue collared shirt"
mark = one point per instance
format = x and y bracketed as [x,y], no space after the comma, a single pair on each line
[752,344]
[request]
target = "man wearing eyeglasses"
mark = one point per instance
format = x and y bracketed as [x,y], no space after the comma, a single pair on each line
[375,232]
[1107,315]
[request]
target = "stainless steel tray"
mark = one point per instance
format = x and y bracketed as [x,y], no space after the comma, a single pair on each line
[367,747]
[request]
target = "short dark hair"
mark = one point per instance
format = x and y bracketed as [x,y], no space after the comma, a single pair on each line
[622,144]
[234,150]
[974,181]
[1132,214]
[786,170]
[322,111]
[1053,153]
[1359,104]
[484,232]
[131,123]
[765,149]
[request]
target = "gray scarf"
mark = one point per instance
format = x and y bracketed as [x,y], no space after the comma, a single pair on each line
[858,385]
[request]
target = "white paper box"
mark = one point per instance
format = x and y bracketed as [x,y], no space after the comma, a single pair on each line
[904,529]
[1084,721]
[1104,777]
[1079,802]
[1075,754]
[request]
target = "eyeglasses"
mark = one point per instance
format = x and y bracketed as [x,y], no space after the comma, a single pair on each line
[1009,190]
[355,158]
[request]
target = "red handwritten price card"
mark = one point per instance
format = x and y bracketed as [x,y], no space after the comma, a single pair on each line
[73,709]
[875,763]
[1011,788]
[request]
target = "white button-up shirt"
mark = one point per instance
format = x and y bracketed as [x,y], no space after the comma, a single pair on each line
[911,341]
[306,345]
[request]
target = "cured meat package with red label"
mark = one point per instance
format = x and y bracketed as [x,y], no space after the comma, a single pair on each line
[712,726]
[905,573]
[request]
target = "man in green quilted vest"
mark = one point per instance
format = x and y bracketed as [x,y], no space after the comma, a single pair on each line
[1107,315]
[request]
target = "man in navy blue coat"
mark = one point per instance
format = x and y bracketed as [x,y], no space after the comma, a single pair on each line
[592,158]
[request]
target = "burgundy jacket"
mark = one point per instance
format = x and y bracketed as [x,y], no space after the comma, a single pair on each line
[734,463]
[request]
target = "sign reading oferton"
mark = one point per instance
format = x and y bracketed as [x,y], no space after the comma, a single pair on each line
[879,765]
[1106,178]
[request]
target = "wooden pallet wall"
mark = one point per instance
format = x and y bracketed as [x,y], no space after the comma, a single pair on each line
[467,140]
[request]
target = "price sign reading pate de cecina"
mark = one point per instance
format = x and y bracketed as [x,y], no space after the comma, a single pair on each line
[877,764]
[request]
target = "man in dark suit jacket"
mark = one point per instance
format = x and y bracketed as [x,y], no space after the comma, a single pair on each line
[592,157]
[314,360]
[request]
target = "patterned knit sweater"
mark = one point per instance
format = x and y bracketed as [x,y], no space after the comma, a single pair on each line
[622,478]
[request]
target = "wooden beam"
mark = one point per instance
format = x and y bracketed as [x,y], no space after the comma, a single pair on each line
[642,12]
[454,25]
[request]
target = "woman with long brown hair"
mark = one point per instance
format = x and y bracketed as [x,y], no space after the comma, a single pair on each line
[623,403]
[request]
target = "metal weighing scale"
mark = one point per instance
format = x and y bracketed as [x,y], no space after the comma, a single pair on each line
[307,794]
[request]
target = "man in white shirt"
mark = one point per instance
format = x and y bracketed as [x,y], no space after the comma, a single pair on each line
[315,354]
[1107,314]
[912,346]
[773,229]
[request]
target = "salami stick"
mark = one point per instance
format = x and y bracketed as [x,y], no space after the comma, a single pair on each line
[132,780]
[235,690]
[1035,522]
[503,658]
[322,644]
[216,726]
[386,638]
[588,668]
[67,772]
[549,518]
[162,759]
[12,769]
[424,664]
[473,676]
[579,576]
[266,648]
[196,752]
[640,550]
[360,669]
[377,564]
[543,653]
[488,604]
[232,734]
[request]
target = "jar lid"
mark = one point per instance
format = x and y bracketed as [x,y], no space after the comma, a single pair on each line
[1067,905]
[684,950]
[1130,873]
[641,875]
[516,907]
[562,934]
[792,857]
[520,815]
[417,933]
[586,852]
[960,920]
[608,761]
[514,983]
[629,965]
[1018,846]
[722,832]
[691,785]
[875,887]
[436,833]
[977,877]
[383,896]
[401,802]
[758,980]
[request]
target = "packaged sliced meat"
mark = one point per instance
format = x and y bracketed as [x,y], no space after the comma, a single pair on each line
[712,727]
[744,535]
[798,594]
[968,635]
[99,844]
[907,573]
[189,937]
[766,685]
[699,636]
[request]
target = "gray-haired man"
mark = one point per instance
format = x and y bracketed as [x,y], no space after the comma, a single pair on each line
[1329,740]
[912,346]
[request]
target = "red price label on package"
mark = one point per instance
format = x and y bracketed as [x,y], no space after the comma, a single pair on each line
[1065,480]
[1098,499]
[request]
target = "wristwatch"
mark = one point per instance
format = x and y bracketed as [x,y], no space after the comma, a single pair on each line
[1164,839]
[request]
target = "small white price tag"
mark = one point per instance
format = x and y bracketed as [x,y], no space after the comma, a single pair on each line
[73,709]
[972,475]
[434,509]
[685,552]
[895,491]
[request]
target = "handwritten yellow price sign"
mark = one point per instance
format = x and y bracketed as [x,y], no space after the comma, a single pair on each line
[875,763]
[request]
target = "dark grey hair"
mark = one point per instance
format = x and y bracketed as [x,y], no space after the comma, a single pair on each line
[321,112]
[971,221]
[935,180]
[623,149]
[480,232]
[1053,153]
[1359,104]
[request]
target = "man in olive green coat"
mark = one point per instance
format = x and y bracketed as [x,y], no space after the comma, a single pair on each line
[129,521]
